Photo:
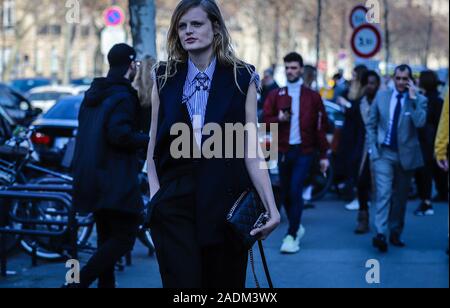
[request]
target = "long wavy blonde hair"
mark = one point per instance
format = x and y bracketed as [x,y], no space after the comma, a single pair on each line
[223,49]
[143,83]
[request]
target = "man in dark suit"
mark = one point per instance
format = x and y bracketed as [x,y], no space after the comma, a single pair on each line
[106,165]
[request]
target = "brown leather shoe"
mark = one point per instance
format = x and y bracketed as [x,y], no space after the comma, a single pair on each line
[363,223]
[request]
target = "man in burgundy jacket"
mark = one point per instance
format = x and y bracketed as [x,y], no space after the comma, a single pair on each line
[302,128]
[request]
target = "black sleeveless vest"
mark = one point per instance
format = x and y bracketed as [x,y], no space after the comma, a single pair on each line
[219,181]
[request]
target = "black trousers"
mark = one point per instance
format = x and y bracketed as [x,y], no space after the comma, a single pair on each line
[364,186]
[424,181]
[116,235]
[182,261]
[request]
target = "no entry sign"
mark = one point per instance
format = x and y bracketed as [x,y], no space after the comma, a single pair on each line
[366,41]
[114,16]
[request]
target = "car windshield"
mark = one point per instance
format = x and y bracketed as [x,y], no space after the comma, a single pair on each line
[65,109]
[47,96]
[7,99]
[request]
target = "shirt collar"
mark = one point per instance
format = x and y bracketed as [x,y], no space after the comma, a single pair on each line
[396,93]
[299,83]
[193,71]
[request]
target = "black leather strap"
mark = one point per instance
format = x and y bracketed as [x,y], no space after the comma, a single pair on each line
[264,261]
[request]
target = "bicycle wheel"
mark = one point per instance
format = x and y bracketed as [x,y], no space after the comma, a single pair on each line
[50,248]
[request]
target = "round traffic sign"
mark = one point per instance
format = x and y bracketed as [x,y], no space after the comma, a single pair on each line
[114,16]
[366,41]
[358,16]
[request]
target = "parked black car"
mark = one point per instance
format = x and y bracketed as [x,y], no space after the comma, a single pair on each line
[17,106]
[55,131]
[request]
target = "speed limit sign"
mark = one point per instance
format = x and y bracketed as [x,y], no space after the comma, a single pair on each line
[366,41]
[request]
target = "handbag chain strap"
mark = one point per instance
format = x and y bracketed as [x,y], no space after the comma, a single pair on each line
[252,262]
[266,268]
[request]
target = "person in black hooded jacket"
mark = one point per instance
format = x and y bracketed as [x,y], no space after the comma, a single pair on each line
[106,165]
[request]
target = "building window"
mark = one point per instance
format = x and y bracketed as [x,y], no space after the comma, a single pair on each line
[8,14]
[50,30]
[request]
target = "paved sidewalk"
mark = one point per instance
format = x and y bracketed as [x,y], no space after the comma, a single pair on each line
[331,256]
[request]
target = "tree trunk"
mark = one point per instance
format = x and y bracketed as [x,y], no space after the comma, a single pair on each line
[143,27]
[69,37]
[276,37]
[387,35]
[319,31]
[429,34]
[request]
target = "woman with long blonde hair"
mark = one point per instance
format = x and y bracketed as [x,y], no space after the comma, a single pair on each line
[144,86]
[202,83]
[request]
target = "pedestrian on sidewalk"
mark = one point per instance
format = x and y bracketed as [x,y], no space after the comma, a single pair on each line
[394,149]
[345,152]
[144,86]
[441,145]
[268,85]
[357,116]
[302,120]
[202,83]
[429,83]
[106,165]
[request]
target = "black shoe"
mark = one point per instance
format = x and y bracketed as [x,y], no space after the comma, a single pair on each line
[396,241]
[424,209]
[380,242]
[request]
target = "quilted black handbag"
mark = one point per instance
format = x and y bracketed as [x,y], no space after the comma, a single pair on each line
[247,214]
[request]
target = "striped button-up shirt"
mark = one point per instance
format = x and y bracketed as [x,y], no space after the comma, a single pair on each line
[196,94]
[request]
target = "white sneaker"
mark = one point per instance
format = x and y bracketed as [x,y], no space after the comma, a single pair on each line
[353,206]
[307,193]
[301,233]
[290,245]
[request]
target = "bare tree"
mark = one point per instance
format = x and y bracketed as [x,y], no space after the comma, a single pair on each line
[25,21]
[429,34]
[387,34]
[319,30]
[143,26]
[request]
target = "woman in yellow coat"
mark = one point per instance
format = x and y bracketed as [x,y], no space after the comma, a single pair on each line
[441,147]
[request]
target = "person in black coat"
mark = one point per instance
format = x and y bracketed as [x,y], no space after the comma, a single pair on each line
[106,165]
[357,116]
[268,85]
[429,83]
[344,154]
[202,84]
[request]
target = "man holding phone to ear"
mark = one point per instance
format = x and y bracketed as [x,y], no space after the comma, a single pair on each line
[394,150]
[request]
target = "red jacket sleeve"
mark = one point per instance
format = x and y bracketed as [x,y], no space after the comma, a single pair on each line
[270,109]
[322,128]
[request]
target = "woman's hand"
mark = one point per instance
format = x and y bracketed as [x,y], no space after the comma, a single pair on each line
[443,164]
[343,103]
[264,232]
